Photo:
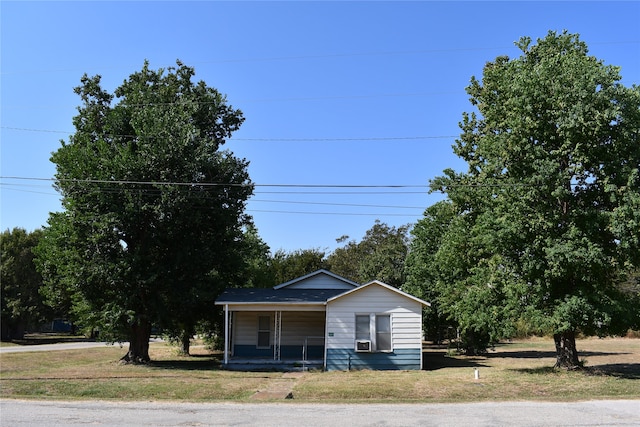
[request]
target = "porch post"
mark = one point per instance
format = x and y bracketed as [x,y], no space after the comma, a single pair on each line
[226,333]
[277,332]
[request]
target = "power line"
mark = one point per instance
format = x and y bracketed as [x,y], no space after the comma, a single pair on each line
[36,130]
[320,56]
[334,213]
[390,138]
[283,58]
[31,189]
[296,192]
[209,184]
[115,190]
[296,212]
[238,101]
[337,204]
[366,138]
[294,186]
[349,193]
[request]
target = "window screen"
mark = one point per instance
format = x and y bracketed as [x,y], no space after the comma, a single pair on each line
[264,331]
[362,327]
[383,332]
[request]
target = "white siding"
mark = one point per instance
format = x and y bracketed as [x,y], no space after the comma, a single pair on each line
[406,317]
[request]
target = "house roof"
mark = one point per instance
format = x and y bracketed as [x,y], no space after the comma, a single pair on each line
[317,273]
[378,283]
[277,296]
[292,293]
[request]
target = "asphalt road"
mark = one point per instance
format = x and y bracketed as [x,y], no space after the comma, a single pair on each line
[51,347]
[74,345]
[98,413]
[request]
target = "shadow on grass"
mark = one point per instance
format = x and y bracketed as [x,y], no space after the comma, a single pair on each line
[190,363]
[541,370]
[535,354]
[436,358]
[50,338]
[629,371]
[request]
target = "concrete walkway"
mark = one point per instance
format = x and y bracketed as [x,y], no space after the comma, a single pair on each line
[281,388]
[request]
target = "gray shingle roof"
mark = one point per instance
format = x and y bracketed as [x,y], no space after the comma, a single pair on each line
[281,296]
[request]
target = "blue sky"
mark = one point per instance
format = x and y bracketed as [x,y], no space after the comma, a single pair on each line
[334,93]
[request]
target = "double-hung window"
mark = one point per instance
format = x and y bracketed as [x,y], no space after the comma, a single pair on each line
[363,330]
[375,328]
[383,332]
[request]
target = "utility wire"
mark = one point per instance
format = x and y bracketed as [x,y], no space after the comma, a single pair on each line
[334,213]
[321,56]
[337,204]
[389,138]
[258,191]
[304,186]
[292,212]
[112,190]
[209,184]
[242,101]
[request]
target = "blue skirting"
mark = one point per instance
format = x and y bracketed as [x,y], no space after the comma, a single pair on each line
[349,359]
[286,351]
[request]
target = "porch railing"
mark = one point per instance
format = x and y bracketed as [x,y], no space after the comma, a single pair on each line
[305,348]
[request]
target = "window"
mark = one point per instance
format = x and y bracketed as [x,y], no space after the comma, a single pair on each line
[375,328]
[264,332]
[383,332]
[362,327]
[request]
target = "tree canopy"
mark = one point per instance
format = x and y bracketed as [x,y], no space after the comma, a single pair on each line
[22,305]
[380,255]
[153,207]
[548,213]
[285,266]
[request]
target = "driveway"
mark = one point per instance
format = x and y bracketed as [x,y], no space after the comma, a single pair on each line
[51,347]
[63,346]
[112,414]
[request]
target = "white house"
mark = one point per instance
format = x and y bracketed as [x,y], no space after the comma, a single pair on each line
[325,320]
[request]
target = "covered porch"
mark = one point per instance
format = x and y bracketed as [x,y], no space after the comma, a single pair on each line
[274,338]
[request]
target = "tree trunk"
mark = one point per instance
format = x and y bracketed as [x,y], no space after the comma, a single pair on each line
[566,352]
[185,342]
[19,329]
[139,342]
[5,335]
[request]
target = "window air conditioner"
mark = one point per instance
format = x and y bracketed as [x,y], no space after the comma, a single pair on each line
[363,346]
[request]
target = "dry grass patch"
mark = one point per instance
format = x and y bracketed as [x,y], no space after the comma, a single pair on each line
[515,371]
[520,370]
[97,373]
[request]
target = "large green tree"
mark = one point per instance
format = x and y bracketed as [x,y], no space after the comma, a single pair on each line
[451,264]
[380,255]
[425,277]
[22,304]
[285,266]
[552,190]
[247,267]
[153,207]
